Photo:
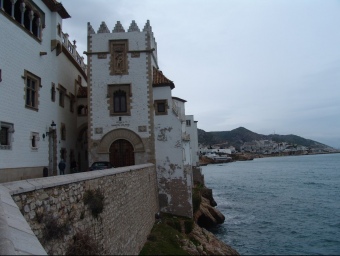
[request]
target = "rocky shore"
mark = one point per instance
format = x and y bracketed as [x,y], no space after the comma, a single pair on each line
[175,235]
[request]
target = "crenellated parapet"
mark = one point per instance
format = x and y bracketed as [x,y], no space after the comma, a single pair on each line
[118,28]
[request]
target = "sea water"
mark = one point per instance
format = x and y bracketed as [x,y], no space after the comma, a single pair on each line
[279,205]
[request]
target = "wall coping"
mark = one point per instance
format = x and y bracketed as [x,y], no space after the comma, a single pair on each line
[16,236]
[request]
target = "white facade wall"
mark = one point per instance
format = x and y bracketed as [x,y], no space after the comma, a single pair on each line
[20,52]
[173,158]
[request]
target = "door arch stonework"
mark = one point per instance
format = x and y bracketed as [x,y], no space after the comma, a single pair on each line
[124,134]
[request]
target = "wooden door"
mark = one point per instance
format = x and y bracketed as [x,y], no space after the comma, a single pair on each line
[121,153]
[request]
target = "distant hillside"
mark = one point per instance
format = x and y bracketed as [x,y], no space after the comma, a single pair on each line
[241,135]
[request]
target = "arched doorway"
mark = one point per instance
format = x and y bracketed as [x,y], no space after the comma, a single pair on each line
[122,153]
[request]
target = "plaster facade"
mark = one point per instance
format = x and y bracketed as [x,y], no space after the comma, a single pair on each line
[47,62]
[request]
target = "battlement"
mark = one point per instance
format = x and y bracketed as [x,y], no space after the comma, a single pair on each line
[118,28]
[139,40]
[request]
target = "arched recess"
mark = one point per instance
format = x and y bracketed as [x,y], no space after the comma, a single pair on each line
[124,134]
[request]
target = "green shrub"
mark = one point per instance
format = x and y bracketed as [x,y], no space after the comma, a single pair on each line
[196,199]
[54,229]
[95,201]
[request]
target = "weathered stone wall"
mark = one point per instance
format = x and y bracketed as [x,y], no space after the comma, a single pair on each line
[198,177]
[130,203]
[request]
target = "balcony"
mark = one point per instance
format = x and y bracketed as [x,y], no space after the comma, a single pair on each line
[71,48]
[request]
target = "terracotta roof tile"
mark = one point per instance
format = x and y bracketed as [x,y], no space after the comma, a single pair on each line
[160,80]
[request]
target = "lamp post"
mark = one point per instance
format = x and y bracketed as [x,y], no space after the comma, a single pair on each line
[51,134]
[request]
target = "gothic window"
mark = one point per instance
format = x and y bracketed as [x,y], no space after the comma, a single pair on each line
[119,64]
[161,107]
[25,14]
[32,85]
[119,99]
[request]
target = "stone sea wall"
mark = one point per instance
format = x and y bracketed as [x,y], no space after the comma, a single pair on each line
[58,215]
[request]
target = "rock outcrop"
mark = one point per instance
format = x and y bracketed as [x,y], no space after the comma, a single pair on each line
[207,215]
[208,243]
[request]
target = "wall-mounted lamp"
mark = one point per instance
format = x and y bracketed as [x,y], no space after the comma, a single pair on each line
[52,130]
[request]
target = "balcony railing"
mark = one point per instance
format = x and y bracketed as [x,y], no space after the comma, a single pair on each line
[72,49]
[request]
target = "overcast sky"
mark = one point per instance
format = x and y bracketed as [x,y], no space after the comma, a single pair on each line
[271,66]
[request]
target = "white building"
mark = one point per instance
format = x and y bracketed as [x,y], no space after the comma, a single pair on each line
[41,75]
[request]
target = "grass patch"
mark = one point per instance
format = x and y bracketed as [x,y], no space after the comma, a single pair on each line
[165,238]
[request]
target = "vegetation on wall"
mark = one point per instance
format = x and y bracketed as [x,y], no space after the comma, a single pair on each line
[95,201]
[82,244]
[54,228]
[196,197]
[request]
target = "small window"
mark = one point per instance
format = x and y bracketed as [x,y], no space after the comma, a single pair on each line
[59,29]
[6,131]
[161,107]
[34,139]
[188,122]
[82,110]
[32,85]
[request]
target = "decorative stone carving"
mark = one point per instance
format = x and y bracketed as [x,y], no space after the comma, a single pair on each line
[118,57]
[135,54]
[98,130]
[142,128]
[102,56]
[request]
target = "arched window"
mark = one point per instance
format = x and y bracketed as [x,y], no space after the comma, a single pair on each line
[27,22]
[7,7]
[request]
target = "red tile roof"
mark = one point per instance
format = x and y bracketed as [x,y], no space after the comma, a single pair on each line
[160,80]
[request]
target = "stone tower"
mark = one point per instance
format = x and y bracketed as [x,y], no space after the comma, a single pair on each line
[133,118]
